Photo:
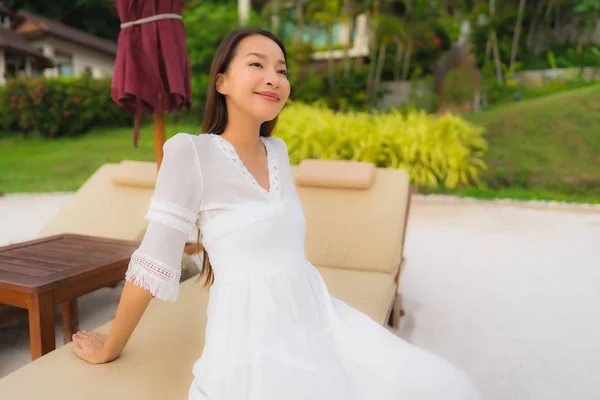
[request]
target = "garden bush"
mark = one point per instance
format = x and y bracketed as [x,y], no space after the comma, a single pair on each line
[563,56]
[59,107]
[435,150]
[310,84]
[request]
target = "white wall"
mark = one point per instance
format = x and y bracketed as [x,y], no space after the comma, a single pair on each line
[102,64]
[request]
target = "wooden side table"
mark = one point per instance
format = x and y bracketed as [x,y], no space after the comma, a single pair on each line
[39,274]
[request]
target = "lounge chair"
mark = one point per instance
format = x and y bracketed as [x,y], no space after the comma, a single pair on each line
[355,232]
[356,222]
[156,365]
[111,203]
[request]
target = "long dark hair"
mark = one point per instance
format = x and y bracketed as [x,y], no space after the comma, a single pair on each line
[215,111]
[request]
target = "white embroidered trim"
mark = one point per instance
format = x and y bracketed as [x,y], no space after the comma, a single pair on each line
[158,278]
[172,215]
[274,184]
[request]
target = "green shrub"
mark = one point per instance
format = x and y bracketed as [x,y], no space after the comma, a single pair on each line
[310,84]
[59,107]
[8,119]
[307,84]
[562,56]
[206,24]
[445,150]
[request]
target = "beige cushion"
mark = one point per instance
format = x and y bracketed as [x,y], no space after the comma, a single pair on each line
[135,173]
[102,208]
[335,174]
[357,229]
[156,364]
[369,292]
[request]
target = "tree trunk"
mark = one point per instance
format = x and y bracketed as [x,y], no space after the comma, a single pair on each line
[497,61]
[275,16]
[407,56]
[372,52]
[243,11]
[350,22]
[517,35]
[398,60]
[330,62]
[495,44]
[380,62]
[532,25]
[488,49]
[299,20]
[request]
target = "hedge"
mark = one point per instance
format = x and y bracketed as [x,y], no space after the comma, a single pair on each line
[56,107]
[435,150]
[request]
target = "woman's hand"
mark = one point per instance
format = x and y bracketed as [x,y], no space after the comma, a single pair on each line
[90,346]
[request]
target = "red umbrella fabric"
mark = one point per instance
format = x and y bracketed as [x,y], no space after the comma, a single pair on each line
[152,68]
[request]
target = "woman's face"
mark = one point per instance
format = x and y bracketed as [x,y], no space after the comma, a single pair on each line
[256,81]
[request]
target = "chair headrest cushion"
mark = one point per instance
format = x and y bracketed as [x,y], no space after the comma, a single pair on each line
[335,174]
[132,173]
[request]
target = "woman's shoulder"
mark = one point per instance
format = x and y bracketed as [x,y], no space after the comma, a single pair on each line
[278,143]
[182,138]
[182,142]
[185,148]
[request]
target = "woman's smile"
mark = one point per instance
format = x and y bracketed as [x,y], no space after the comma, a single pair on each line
[269,96]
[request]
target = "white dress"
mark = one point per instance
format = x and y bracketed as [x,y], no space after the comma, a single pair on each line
[273,330]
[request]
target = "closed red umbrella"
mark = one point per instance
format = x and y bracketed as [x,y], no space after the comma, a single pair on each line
[152,69]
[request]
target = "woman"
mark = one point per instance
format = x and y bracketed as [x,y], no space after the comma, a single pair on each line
[273,330]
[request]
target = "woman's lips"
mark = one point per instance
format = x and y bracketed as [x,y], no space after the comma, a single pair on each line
[269,96]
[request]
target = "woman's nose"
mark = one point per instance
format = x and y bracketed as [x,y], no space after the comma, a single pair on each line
[272,79]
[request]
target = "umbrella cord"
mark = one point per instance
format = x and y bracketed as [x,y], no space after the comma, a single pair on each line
[150,19]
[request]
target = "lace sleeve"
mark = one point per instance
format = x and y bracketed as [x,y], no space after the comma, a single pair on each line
[172,216]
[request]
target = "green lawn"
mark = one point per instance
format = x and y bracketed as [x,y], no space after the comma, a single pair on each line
[547,148]
[40,165]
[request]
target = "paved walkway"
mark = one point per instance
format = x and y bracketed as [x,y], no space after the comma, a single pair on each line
[507,292]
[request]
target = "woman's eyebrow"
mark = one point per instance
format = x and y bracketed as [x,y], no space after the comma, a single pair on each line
[264,57]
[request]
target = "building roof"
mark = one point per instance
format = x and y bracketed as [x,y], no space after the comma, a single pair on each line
[13,41]
[41,26]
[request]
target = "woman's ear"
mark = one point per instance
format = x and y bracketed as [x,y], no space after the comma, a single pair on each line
[220,84]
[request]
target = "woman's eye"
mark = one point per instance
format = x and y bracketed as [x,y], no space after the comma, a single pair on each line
[259,65]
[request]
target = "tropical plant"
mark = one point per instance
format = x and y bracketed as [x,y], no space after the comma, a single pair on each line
[326,14]
[436,151]
[587,12]
[202,43]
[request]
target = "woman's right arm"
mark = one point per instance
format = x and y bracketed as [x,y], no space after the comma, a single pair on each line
[155,267]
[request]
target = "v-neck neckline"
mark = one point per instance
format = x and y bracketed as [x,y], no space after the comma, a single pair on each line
[230,150]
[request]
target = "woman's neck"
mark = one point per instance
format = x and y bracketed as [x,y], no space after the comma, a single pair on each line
[241,131]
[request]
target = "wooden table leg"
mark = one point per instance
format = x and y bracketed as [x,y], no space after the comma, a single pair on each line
[41,324]
[70,319]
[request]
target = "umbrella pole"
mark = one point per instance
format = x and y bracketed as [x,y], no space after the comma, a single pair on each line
[159,135]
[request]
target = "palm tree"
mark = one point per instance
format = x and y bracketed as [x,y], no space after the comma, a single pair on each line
[389,29]
[243,11]
[326,13]
[275,16]
[348,16]
[517,35]
[372,8]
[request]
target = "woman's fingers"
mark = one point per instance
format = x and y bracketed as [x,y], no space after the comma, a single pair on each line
[95,335]
[84,334]
[88,346]
[78,350]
